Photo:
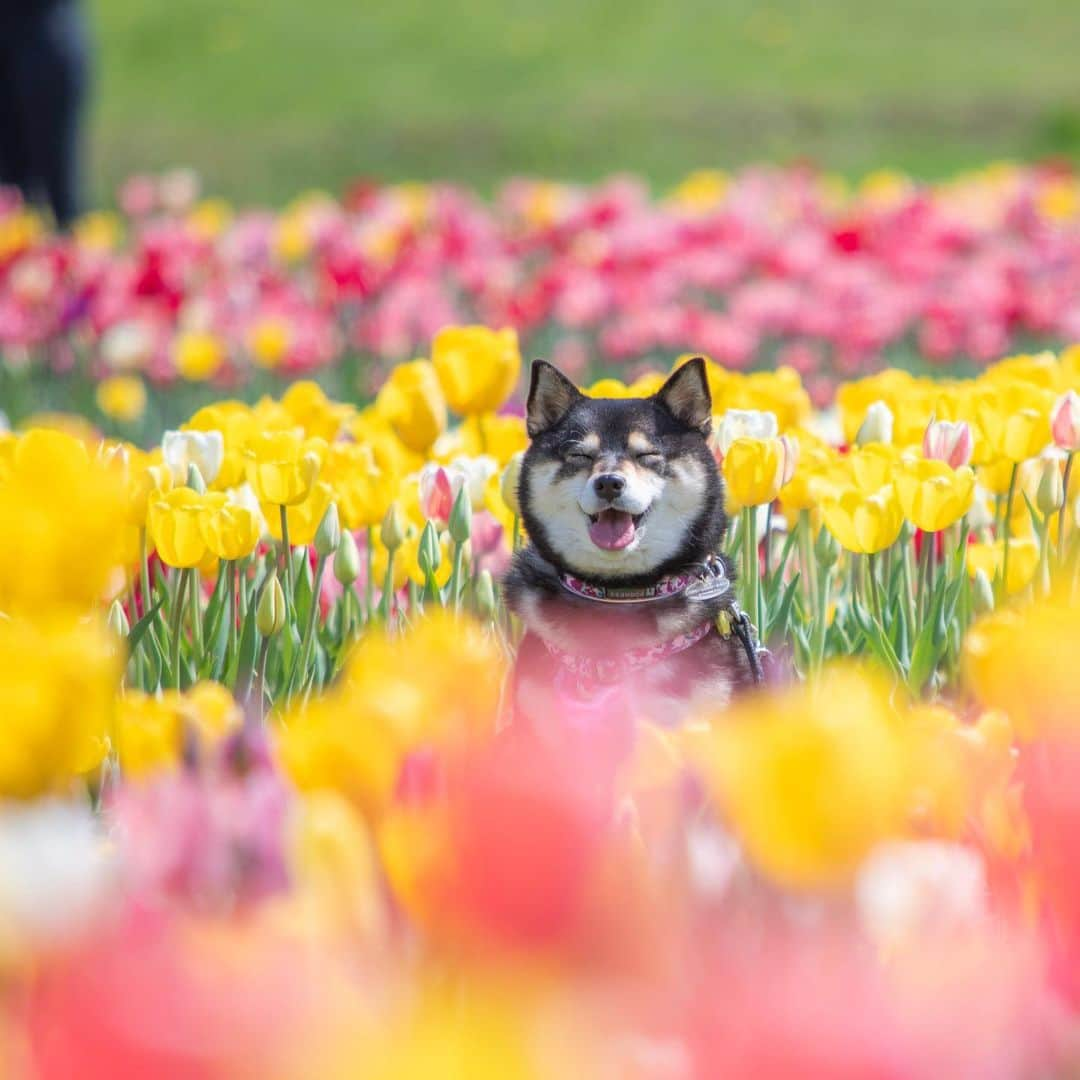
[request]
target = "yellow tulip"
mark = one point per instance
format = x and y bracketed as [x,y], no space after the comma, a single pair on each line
[807,486]
[145,486]
[1022,662]
[854,398]
[122,397]
[500,437]
[197,355]
[864,524]
[478,367]
[372,430]
[282,466]
[1012,421]
[269,341]
[754,470]
[303,517]
[58,682]
[150,732]
[812,778]
[235,422]
[457,697]
[412,402]
[312,410]
[229,530]
[1023,561]
[932,495]
[362,490]
[59,515]
[872,466]
[780,392]
[174,524]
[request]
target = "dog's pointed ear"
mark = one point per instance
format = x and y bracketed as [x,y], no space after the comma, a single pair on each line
[686,396]
[551,395]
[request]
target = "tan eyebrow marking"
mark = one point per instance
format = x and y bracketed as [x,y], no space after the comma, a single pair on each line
[591,441]
[639,443]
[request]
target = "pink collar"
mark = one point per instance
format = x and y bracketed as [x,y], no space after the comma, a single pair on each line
[705,582]
[611,594]
[589,672]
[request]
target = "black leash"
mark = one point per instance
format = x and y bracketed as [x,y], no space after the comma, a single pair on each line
[744,631]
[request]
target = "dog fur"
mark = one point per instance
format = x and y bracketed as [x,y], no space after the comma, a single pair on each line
[582,449]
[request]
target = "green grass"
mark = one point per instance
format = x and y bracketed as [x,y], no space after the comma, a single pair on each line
[267,97]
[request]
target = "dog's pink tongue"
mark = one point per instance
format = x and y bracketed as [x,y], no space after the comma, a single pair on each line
[613,529]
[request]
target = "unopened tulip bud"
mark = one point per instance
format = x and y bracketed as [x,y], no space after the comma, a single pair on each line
[1050,493]
[392,532]
[270,614]
[826,548]
[195,479]
[485,594]
[328,534]
[429,555]
[982,593]
[508,486]
[1065,421]
[117,620]
[877,426]
[347,560]
[461,517]
[948,442]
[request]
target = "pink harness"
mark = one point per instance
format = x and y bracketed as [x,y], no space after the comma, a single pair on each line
[585,676]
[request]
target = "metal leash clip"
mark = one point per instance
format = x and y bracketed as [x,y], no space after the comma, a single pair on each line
[712,583]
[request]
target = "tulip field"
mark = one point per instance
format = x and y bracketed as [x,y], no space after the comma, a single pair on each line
[264,809]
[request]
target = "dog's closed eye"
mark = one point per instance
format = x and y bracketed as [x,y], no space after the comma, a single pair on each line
[575,455]
[651,459]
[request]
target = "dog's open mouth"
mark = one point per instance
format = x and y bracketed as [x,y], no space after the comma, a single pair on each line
[613,530]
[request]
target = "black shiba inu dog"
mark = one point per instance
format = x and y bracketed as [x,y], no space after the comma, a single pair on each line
[621,587]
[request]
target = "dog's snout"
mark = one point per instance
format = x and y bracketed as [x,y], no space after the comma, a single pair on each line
[609,486]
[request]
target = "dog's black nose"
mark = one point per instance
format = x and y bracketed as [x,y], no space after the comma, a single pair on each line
[609,486]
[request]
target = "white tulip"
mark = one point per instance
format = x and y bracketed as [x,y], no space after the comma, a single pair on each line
[743,423]
[203,449]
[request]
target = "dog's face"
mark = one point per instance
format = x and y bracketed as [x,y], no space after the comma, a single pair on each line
[621,489]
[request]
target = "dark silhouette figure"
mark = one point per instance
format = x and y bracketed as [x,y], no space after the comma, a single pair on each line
[44,69]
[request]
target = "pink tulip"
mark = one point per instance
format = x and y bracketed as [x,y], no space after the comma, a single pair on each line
[436,494]
[1065,421]
[948,442]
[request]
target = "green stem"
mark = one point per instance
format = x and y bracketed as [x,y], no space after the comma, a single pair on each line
[369,583]
[144,571]
[174,626]
[286,554]
[767,541]
[907,577]
[1062,513]
[194,613]
[872,585]
[1008,529]
[455,587]
[750,565]
[302,657]
[259,682]
[809,564]
[922,599]
[387,601]
[231,570]
[516,535]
